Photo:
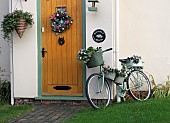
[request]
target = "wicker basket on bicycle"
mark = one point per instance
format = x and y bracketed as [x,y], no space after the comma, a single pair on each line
[132,64]
[95,60]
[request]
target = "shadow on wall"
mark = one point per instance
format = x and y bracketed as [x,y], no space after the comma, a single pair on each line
[4,60]
[4,75]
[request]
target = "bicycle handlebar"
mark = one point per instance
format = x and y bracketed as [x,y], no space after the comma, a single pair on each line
[107,50]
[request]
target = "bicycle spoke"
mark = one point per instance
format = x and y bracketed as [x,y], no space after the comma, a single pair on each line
[98,92]
[139,85]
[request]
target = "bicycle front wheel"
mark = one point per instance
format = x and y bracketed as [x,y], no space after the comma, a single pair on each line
[139,85]
[98,92]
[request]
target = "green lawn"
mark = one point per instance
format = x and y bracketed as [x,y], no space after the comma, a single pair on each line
[150,111]
[8,112]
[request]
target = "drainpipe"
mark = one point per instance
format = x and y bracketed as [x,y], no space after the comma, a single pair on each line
[117,41]
[11,62]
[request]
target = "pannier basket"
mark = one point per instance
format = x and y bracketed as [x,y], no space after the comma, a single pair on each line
[110,75]
[95,60]
[119,80]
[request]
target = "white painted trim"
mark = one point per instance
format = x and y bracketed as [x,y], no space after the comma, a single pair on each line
[11,62]
[117,40]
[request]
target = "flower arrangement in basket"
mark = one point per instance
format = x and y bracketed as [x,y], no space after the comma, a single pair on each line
[17,20]
[92,57]
[120,75]
[110,73]
[134,62]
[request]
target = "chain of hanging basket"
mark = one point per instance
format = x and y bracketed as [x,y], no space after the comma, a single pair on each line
[60,22]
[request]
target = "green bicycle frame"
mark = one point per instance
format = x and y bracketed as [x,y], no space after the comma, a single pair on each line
[102,72]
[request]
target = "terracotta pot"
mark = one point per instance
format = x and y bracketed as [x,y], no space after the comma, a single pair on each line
[20,27]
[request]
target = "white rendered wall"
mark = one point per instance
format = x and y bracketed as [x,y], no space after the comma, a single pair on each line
[4,47]
[102,19]
[25,49]
[145,31]
[25,56]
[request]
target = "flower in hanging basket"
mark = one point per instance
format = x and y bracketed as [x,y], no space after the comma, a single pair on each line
[17,20]
[23,20]
[60,22]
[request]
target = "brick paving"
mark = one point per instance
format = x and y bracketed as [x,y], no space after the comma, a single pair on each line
[48,113]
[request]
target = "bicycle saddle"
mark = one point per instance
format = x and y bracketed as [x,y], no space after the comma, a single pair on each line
[124,60]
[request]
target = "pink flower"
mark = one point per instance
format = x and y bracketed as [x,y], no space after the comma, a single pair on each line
[65,13]
[53,17]
[56,27]
[67,22]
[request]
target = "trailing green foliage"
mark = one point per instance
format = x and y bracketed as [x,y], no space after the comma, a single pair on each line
[5,90]
[10,22]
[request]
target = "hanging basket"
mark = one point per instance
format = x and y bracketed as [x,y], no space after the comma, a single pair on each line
[20,27]
[95,60]
[110,75]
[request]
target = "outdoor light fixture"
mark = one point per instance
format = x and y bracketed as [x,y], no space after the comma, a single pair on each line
[93,8]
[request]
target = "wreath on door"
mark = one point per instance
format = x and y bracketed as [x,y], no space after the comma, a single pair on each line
[60,22]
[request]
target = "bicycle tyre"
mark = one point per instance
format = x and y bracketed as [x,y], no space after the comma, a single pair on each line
[96,98]
[138,85]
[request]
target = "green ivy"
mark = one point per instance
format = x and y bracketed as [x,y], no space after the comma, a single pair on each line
[5,90]
[9,22]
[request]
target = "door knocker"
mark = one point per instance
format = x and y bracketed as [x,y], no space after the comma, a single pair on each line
[61,41]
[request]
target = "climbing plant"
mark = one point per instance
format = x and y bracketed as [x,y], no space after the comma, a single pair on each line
[5,89]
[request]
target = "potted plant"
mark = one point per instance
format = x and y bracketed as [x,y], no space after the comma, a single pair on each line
[160,90]
[17,20]
[110,73]
[92,57]
[120,75]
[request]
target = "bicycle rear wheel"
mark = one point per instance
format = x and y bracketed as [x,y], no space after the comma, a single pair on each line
[139,85]
[97,92]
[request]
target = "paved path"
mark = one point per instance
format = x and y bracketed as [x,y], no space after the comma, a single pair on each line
[48,113]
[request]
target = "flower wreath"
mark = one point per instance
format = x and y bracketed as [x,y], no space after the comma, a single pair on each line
[60,21]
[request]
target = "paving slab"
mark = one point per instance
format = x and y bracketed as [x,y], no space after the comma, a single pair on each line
[48,113]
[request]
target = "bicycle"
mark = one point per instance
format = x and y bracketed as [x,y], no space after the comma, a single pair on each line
[98,91]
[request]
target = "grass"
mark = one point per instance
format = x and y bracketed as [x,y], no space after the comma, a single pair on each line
[149,111]
[8,112]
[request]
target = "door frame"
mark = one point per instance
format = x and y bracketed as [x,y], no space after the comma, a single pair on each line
[39,43]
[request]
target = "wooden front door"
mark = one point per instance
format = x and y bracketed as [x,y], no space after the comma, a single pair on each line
[61,71]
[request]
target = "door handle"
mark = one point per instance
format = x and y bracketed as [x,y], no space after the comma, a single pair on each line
[43,52]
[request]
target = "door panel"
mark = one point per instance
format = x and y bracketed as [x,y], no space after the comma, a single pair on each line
[60,67]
